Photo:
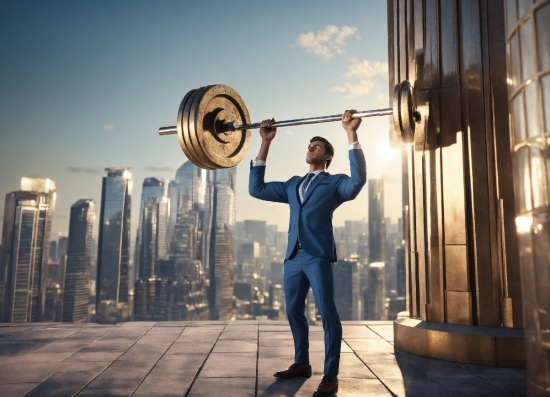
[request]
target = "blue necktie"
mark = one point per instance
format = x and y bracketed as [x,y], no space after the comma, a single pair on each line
[306,184]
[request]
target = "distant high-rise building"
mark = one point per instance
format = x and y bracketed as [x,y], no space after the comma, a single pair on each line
[377,222]
[152,187]
[77,274]
[151,299]
[191,181]
[153,245]
[62,246]
[255,231]
[53,251]
[114,242]
[219,237]
[25,253]
[375,297]
[346,289]
[353,230]
[173,195]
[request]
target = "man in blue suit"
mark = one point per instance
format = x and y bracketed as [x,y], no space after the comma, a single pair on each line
[311,250]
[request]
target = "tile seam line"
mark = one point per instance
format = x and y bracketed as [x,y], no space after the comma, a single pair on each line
[487,379]
[39,383]
[458,365]
[108,366]
[365,364]
[381,337]
[204,362]
[156,362]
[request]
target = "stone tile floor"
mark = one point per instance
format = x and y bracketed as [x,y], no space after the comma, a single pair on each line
[224,359]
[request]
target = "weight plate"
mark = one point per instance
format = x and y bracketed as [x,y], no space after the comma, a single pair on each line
[397,128]
[406,108]
[219,104]
[193,120]
[194,152]
[182,128]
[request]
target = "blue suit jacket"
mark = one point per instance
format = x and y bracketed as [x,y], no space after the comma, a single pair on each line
[311,220]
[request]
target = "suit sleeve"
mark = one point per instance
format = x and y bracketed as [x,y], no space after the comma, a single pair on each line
[349,187]
[271,191]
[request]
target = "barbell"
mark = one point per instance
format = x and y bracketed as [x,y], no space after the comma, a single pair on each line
[213,124]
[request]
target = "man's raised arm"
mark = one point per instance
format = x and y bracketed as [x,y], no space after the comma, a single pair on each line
[272,191]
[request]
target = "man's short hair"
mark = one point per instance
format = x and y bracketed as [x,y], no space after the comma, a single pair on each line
[329,149]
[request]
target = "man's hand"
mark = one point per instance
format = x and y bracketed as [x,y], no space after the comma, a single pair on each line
[266,131]
[351,125]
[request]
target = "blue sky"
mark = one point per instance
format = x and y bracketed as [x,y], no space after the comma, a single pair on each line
[85,85]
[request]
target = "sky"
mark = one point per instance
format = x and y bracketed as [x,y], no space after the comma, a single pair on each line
[85,85]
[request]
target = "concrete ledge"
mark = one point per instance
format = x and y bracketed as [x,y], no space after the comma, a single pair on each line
[490,346]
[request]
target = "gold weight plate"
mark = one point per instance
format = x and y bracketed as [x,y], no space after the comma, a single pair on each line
[406,106]
[191,149]
[214,106]
[192,119]
[397,128]
[182,128]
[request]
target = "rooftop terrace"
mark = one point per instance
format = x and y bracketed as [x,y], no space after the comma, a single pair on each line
[224,359]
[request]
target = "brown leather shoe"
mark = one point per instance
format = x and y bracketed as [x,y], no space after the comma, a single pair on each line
[327,387]
[295,370]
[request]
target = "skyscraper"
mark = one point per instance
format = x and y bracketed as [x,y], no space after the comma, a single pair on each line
[346,289]
[77,273]
[375,297]
[186,194]
[377,222]
[153,244]
[114,242]
[26,241]
[152,187]
[173,194]
[219,237]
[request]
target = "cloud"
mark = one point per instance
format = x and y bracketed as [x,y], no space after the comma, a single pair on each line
[108,127]
[364,78]
[159,169]
[85,170]
[327,43]
[289,132]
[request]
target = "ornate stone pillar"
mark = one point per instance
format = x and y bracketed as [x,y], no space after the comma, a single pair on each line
[464,290]
[528,38]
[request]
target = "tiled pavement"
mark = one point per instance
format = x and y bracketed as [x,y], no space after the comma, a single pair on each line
[223,359]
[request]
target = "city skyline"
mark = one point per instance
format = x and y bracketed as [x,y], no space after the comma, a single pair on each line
[100,79]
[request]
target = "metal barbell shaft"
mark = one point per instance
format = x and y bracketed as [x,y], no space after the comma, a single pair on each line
[228,127]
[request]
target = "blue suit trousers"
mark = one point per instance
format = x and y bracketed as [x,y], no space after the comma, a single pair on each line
[301,271]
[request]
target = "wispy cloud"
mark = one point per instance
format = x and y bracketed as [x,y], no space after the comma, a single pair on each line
[85,170]
[108,127]
[159,169]
[364,77]
[327,43]
[289,132]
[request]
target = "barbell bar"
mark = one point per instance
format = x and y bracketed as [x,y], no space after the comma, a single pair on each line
[213,124]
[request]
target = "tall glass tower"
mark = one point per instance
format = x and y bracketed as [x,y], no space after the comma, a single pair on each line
[114,243]
[377,222]
[219,241]
[77,273]
[153,231]
[25,245]
[152,187]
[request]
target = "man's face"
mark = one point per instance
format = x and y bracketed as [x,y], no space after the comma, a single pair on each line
[316,153]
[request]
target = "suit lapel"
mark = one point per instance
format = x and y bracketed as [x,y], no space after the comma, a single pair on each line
[313,184]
